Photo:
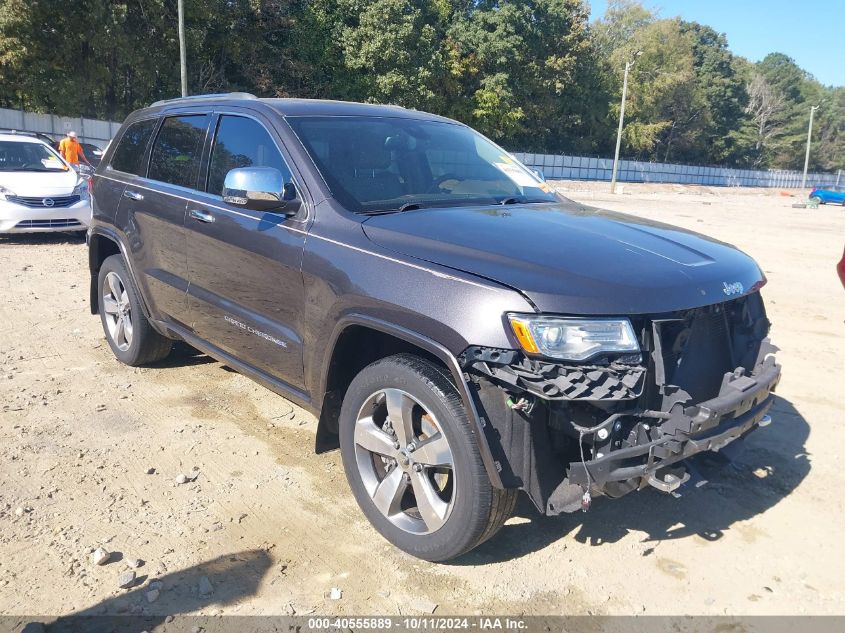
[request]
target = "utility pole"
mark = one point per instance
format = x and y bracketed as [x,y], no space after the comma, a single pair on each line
[809,134]
[628,65]
[183,64]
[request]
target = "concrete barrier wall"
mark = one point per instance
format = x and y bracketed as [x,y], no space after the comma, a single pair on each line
[88,130]
[584,168]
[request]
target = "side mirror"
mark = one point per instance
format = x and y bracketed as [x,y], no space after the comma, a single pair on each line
[539,173]
[260,189]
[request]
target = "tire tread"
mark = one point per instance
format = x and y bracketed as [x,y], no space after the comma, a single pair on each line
[152,346]
[493,506]
[503,501]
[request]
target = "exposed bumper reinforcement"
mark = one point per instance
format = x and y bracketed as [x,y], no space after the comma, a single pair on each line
[741,405]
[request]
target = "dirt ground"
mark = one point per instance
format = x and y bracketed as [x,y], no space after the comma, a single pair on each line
[89,450]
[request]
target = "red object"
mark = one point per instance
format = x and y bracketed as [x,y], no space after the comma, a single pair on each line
[840,268]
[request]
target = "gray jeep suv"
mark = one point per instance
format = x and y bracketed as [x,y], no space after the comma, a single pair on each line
[461,331]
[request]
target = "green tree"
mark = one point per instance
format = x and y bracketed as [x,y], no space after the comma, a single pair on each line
[515,69]
[828,151]
[793,90]
[721,87]
[664,109]
[396,50]
[90,56]
[534,74]
[687,91]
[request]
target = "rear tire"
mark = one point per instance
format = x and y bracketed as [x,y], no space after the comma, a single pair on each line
[131,337]
[458,507]
[816,200]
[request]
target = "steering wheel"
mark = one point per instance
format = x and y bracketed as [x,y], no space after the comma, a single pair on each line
[435,186]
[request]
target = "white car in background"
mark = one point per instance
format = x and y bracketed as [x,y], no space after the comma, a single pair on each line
[39,190]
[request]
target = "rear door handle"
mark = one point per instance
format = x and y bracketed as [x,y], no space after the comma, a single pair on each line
[202,216]
[133,195]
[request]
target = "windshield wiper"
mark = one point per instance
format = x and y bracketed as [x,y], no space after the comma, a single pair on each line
[408,206]
[523,200]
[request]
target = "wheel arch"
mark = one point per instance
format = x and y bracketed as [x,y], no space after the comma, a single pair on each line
[102,244]
[359,340]
[100,247]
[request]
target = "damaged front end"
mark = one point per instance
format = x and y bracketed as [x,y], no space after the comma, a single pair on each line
[565,431]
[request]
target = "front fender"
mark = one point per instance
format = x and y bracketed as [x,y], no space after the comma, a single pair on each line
[482,431]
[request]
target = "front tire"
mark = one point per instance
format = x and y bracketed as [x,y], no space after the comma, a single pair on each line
[413,462]
[128,332]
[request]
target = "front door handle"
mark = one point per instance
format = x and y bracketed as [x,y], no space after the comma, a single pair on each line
[202,216]
[133,195]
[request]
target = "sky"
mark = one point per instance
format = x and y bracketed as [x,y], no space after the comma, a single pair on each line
[812,32]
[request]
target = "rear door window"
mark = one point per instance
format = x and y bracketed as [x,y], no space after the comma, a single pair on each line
[175,158]
[242,142]
[129,152]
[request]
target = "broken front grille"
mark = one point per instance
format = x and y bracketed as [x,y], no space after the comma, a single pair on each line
[685,358]
[697,352]
[694,349]
[558,381]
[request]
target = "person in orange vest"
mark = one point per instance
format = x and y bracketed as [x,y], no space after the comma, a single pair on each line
[71,150]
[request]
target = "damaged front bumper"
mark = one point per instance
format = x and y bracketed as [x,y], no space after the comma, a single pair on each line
[564,432]
[741,405]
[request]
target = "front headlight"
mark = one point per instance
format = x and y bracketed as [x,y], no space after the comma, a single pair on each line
[81,188]
[5,193]
[572,338]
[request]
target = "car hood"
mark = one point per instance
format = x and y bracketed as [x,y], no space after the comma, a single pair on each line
[571,259]
[29,183]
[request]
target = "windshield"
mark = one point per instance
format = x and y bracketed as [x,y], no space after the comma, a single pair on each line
[25,156]
[377,164]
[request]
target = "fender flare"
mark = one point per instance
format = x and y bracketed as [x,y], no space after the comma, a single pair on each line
[477,423]
[115,237]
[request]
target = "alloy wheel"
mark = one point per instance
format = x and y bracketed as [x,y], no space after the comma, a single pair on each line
[118,311]
[405,461]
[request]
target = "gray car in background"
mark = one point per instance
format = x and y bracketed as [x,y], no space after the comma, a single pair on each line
[462,332]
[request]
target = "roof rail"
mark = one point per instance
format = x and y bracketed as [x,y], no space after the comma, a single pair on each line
[219,95]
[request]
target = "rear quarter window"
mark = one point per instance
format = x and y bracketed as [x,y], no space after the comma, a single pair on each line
[130,150]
